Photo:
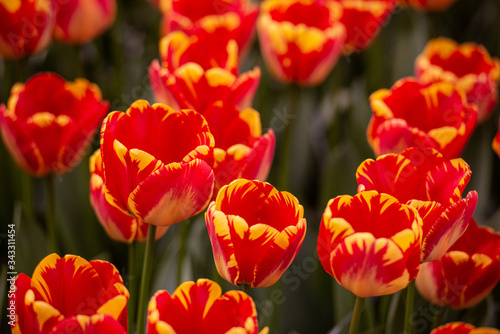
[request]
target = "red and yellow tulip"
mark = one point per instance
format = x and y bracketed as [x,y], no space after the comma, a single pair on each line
[463,328]
[48,123]
[254,215]
[70,292]
[300,40]
[25,26]
[496,141]
[414,114]
[370,243]
[430,183]
[118,225]
[157,162]
[466,274]
[200,308]
[469,66]
[428,5]
[80,21]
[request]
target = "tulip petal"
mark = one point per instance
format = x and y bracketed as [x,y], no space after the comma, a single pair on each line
[446,181]
[81,324]
[259,161]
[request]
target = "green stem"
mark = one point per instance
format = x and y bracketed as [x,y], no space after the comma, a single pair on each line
[356,315]
[438,317]
[145,280]
[27,193]
[50,214]
[246,288]
[182,250]
[132,285]
[22,69]
[410,296]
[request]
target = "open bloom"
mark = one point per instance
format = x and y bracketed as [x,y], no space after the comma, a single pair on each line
[300,40]
[48,123]
[466,274]
[70,292]
[469,66]
[80,21]
[200,308]
[157,162]
[428,5]
[370,243]
[25,27]
[496,141]
[194,73]
[253,215]
[363,20]
[118,225]
[463,328]
[223,20]
[430,183]
[414,114]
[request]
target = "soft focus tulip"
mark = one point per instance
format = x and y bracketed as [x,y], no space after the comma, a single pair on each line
[80,21]
[466,274]
[496,142]
[223,20]
[469,66]
[157,162]
[118,225]
[430,183]
[300,40]
[413,114]
[25,27]
[363,20]
[463,328]
[200,308]
[48,123]
[70,293]
[241,150]
[370,243]
[428,5]
[195,73]
[253,215]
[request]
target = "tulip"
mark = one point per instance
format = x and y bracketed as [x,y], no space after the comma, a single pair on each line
[200,308]
[469,66]
[463,328]
[495,145]
[48,123]
[433,185]
[413,114]
[300,40]
[70,292]
[466,274]
[118,225]
[157,162]
[80,21]
[254,215]
[26,27]
[370,243]
[428,5]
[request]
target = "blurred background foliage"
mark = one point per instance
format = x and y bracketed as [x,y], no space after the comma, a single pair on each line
[328,143]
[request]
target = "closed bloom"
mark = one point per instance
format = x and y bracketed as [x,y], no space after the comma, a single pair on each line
[469,66]
[463,328]
[80,21]
[430,183]
[223,20]
[200,308]
[118,225]
[466,274]
[48,123]
[496,142]
[428,5]
[157,162]
[363,20]
[253,215]
[25,27]
[194,73]
[370,243]
[300,40]
[70,292]
[414,114]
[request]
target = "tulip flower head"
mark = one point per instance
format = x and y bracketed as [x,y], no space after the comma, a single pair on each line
[200,308]
[469,66]
[370,243]
[157,162]
[25,27]
[463,328]
[466,274]
[300,40]
[413,114]
[71,293]
[48,123]
[428,5]
[253,215]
